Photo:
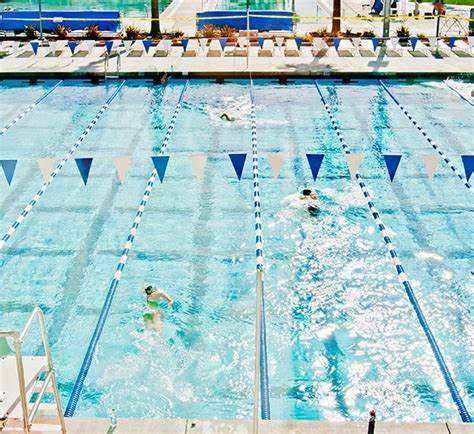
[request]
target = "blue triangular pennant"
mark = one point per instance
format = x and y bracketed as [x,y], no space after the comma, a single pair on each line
[260,42]
[108,46]
[451,41]
[146,44]
[375,43]
[298,42]
[161,163]
[184,43]
[392,162]
[72,46]
[223,41]
[34,46]
[315,161]
[336,41]
[468,162]
[238,161]
[413,41]
[9,167]
[84,166]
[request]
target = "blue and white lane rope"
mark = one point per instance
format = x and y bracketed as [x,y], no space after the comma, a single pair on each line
[265,398]
[459,94]
[86,364]
[429,139]
[56,171]
[402,276]
[29,108]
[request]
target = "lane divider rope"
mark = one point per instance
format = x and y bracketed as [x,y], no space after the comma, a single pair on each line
[28,109]
[459,94]
[428,139]
[56,171]
[261,347]
[86,364]
[404,280]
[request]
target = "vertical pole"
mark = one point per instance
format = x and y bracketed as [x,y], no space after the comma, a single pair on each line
[258,324]
[248,32]
[21,382]
[438,18]
[386,18]
[40,14]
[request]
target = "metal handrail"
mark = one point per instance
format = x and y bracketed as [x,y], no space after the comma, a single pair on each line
[18,338]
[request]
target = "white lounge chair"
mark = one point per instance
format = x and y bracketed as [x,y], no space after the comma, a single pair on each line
[356,43]
[56,48]
[320,48]
[203,44]
[268,48]
[192,48]
[346,48]
[462,49]
[242,46]
[215,48]
[393,47]
[291,48]
[438,48]
[163,48]
[366,48]
[421,50]
[470,40]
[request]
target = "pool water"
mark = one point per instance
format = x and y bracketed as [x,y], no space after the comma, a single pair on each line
[142,7]
[342,336]
[129,7]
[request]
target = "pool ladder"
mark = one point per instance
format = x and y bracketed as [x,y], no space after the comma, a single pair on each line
[24,381]
[107,64]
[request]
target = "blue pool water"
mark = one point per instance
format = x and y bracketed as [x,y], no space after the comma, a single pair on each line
[342,337]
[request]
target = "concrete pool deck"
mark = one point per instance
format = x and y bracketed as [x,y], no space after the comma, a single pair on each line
[77,425]
[304,65]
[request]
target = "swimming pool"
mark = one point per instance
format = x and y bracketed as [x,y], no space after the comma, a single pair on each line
[342,337]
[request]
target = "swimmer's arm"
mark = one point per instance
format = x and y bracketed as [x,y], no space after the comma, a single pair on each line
[162,294]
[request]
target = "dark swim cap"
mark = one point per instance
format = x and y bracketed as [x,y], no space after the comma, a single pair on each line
[149,290]
[306,192]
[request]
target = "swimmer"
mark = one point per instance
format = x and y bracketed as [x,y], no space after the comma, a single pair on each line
[152,314]
[165,78]
[312,200]
[227,117]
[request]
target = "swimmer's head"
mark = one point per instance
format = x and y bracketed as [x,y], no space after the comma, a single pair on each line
[149,290]
[306,192]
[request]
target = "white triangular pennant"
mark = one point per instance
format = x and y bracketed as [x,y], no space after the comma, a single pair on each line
[276,160]
[433,42]
[199,163]
[356,42]
[90,44]
[53,46]
[121,165]
[431,164]
[279,41]
[46,166]
[242,41]
[203,43]
[354,161]
[394,42]
[127,43]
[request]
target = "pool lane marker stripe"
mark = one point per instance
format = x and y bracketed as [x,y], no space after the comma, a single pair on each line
[88,358]
[56,171]
[402,275]
[261,349]
[29,108]
[428,139]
